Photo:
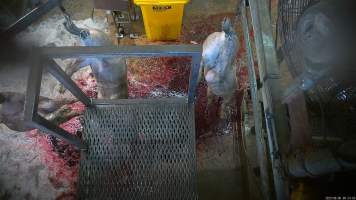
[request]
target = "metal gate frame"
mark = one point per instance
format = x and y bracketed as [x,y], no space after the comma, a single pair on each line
[270,96]
[43,58]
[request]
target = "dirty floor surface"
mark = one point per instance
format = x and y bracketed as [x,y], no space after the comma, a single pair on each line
[25,172]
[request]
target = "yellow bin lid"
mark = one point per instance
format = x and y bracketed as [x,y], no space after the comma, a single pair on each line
[160,2]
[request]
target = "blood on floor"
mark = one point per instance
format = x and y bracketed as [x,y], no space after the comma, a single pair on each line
[145,76]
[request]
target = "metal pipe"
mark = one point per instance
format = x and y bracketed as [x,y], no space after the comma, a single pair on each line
[193,80]
[129,51]
[33,88]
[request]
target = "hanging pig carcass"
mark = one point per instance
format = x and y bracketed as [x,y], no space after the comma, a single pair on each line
[218,63]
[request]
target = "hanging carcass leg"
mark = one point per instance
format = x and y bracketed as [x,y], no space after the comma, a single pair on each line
[12,110]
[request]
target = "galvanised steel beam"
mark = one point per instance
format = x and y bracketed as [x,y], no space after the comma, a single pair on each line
[272,95]
[263,162]
[121,50]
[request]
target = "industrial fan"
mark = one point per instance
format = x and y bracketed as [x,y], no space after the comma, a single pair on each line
[312,88]
[317,40]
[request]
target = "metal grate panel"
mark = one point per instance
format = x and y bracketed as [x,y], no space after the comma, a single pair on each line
[139,149]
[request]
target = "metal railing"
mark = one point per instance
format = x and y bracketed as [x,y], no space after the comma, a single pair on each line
[269,95]
[44,59]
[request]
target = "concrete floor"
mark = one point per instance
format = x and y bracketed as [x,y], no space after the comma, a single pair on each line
[24,176]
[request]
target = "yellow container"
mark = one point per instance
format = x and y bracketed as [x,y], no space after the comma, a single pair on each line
[162,19]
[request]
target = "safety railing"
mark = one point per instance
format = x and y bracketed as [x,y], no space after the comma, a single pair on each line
[44,60]
[266,97]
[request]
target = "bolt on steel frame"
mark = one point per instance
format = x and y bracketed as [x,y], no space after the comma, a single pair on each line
[44,59]
[270,95]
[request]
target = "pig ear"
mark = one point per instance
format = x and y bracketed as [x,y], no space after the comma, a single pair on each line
[226,25]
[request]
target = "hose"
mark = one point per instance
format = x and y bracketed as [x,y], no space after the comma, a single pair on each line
[70,26]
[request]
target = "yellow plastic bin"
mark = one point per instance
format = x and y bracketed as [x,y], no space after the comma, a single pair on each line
[162,18]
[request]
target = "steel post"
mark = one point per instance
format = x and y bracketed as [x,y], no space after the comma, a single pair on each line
[274,109]
[257,114]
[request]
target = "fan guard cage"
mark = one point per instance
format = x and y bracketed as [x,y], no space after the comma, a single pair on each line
[336,97]
[289,12]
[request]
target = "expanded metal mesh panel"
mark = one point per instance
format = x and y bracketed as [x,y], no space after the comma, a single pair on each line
[140,149]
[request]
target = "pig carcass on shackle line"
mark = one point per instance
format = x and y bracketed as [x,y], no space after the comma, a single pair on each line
[218,62]
[12,110]
[110,73]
